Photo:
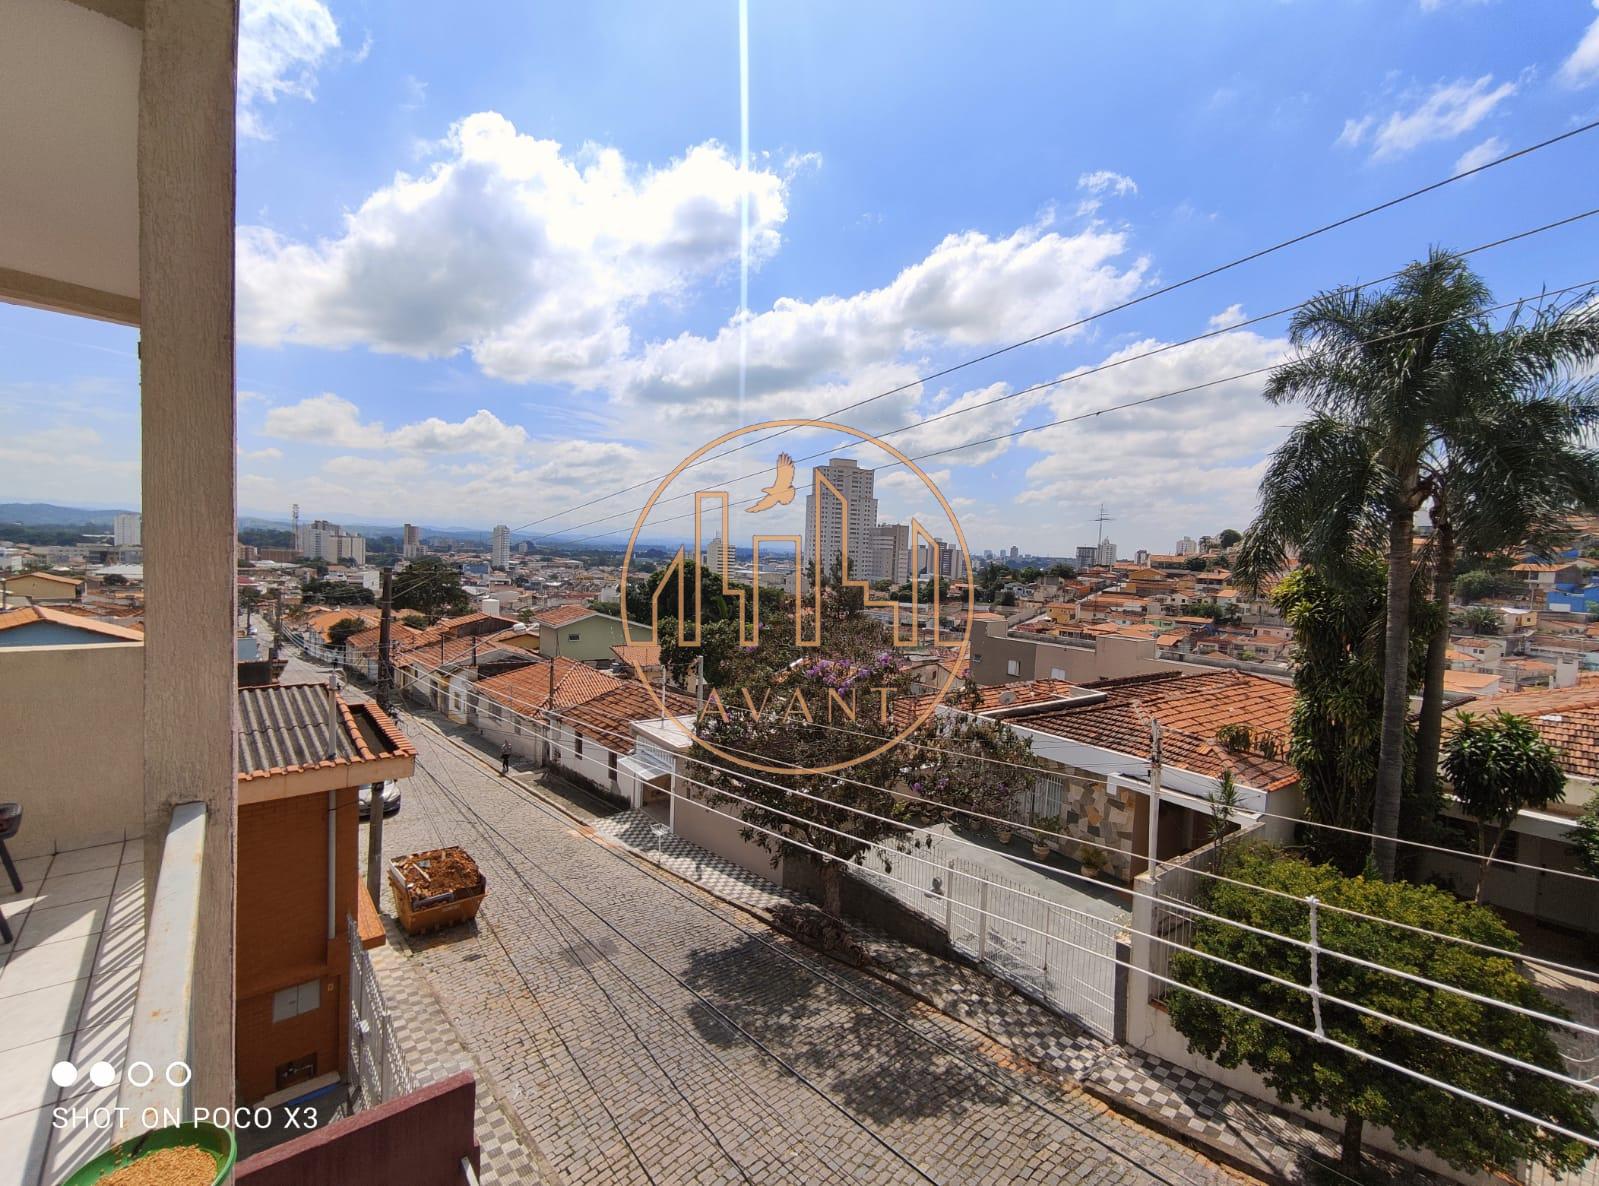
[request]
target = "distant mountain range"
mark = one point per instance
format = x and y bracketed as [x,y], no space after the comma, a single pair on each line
[48,514]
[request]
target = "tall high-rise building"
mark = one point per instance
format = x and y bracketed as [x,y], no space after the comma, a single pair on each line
[1087,557]
[500,547]
[321,540]
[1014,551]
[1105,554]
[127,530]
[715,559]
[824,525]
[890,555]
[411,542]
[1187,547]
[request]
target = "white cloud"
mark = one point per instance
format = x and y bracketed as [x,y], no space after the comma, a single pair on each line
[1104,181]
[970,290]
[333,420]
[481,432]
[1480,154]
[267,454]
[281,45]
[1582,67]
[1156,463]
[507,246]
[323,420]
[1227,318]
[1448,110]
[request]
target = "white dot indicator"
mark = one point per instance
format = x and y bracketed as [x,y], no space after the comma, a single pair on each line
[102,1074]
[63,1074]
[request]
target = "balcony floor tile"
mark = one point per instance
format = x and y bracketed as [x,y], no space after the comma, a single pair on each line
[52,924]
[24,1137]
[80,860]
[27,1085]
[52,963]
[43,1013]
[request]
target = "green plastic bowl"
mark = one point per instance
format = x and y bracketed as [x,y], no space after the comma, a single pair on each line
[213,1138]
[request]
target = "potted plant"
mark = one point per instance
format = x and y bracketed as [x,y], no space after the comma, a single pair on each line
[1093,861]
[1041,836]
[1002,830]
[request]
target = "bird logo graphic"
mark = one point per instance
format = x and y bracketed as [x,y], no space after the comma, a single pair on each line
[781,491]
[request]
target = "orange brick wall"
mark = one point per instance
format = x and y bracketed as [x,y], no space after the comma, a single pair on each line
[282,933]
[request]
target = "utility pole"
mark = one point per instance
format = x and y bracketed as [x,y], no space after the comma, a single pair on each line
[277,623]
[385,639]
[1154,794]
[374,814]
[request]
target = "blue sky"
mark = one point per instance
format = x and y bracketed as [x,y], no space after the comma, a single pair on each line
[489,258]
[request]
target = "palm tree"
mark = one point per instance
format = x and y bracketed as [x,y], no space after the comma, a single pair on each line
[1512,459]
[1414,397]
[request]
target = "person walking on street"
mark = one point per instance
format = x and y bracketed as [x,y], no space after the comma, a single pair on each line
[505,759]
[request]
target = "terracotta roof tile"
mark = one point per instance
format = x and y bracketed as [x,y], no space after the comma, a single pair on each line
[28,615]
[1568,718]
[527,689]
[563,615]
[608,718]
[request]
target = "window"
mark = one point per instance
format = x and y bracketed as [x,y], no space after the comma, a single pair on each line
[577,745]
[610,765]
[1012,667]
[1057,673]
[291,1002]
[573,637]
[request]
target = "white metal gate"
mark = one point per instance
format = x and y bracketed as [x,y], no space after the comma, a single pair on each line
[377,1065]
[1059,955]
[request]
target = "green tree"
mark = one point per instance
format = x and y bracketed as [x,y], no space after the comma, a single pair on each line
[1496,766]
[1478,584]
[1479,619]
[340,631]
[1229,537]
[1316,1074]
[415,620]
[1336,723]
[1585,837]
[432,587]
[336,593]
[940,762]
[1196,564]
[1415,400]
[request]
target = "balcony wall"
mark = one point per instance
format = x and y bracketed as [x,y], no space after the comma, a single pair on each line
[72,743]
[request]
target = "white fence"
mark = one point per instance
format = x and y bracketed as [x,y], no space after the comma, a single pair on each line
[1061,956]
[377,1065]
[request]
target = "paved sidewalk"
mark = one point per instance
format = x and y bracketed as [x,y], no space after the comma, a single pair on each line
[433,1050]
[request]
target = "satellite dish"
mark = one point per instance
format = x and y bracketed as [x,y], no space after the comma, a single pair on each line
[1007,697]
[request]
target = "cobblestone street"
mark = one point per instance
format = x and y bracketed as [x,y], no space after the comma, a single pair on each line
[635,1029]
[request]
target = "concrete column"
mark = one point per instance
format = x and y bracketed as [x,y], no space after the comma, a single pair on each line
[186,214]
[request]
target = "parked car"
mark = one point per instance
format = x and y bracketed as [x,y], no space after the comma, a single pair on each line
[391,800]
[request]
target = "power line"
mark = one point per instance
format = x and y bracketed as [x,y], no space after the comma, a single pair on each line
[657,875]
[1116,308]
[1565,1023]
[1074,376]
[1080,416]
[1495,1105]
[763,1047]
